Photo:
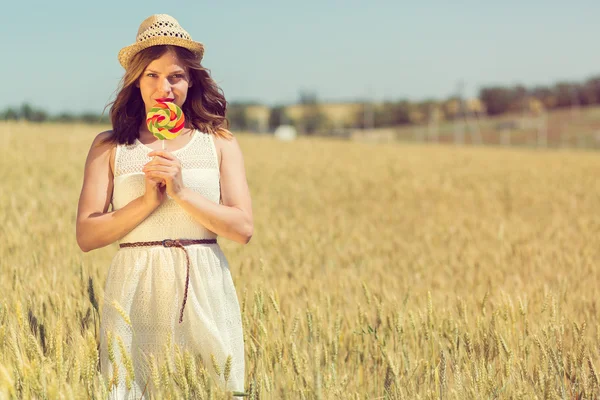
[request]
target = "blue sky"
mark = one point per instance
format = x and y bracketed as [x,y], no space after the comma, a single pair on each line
[62,55]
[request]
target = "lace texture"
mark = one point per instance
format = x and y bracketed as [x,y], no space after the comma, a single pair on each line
[146,284]
[200,172]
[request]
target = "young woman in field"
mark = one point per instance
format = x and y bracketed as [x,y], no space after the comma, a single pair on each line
[169,282]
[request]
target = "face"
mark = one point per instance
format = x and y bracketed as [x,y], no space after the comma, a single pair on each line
[164,79]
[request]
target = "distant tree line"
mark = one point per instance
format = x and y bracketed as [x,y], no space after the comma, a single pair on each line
[499,100]
[27,112]
[314,118]
[491,101]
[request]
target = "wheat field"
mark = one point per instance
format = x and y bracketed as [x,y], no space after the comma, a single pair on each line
[397,271]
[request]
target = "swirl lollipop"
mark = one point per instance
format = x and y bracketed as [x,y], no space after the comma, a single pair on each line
[165,121]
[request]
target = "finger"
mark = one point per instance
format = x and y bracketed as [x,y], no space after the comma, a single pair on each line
[162,168]
[159,174]
[159,161]
[162,153]
[154,179]
[152,175]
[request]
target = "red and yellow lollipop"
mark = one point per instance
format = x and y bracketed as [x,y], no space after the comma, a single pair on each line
[165,121]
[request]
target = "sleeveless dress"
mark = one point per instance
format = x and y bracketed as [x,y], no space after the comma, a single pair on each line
[145,285]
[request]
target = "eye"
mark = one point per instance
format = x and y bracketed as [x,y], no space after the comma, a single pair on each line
[150,74]
[178,76]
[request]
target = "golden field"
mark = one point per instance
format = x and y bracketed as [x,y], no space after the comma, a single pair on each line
[397,271]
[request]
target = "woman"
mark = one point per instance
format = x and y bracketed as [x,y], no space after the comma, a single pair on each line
[169,283]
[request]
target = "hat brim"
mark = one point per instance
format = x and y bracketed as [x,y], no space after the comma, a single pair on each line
[126,53]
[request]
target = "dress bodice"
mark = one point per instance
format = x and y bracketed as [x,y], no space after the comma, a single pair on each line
[200,173]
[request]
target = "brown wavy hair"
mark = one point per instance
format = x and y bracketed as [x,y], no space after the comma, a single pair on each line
[204,107]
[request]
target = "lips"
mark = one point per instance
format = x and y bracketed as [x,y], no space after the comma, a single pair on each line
[164,100]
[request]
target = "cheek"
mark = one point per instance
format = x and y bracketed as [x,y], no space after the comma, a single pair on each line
[184,82]
[183,88]
[183,91]
[144,91]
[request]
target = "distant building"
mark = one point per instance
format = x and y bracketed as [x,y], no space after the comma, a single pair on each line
[339,114]
[259,115]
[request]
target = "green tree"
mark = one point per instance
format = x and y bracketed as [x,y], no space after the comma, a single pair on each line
[237,116]
[545,95]
[497,100]
[89,118]
[38,116]
[277,116]
[26,111]
[313,118]
[64,117]
[566,94]
[10,114]
[589,92]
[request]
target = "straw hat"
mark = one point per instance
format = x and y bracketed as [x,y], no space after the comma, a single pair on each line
[156,30]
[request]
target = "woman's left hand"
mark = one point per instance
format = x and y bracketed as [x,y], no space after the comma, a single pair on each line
[167,167]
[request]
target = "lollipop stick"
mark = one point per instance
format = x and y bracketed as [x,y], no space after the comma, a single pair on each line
[163,147]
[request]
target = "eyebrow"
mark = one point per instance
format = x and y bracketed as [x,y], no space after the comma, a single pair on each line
[179,71]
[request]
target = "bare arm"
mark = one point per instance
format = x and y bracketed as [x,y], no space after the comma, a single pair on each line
[232,219]
[95,227]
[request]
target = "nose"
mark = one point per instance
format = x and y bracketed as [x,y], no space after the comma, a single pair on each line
[164,86]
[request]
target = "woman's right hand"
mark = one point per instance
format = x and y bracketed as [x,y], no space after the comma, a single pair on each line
[156,191]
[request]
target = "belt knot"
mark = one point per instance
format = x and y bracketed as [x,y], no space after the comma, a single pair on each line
[171,243]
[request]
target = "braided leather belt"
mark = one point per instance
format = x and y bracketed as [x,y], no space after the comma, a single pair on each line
[175,243]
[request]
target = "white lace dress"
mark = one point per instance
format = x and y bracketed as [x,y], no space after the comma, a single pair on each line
[148,283]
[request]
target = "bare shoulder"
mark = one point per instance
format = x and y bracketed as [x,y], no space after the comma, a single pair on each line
[234,186]
[100,147]
[100,144]
[97,185]
[227,148]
